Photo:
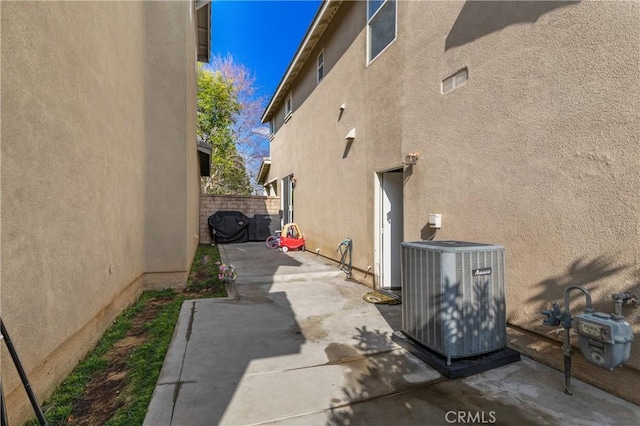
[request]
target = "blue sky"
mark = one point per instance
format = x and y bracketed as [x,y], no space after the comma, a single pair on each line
[262,35]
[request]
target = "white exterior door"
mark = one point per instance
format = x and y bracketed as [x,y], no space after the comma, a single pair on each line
[287,200]
[391,229]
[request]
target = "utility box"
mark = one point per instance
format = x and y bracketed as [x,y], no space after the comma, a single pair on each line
[453,296]
[604,339]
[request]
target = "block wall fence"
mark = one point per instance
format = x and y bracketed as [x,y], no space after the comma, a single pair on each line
[247,204]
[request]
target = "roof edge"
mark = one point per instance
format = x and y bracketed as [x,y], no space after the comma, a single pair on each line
[320,15]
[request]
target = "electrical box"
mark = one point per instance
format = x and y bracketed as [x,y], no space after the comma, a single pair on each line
[435,220]
[604,339]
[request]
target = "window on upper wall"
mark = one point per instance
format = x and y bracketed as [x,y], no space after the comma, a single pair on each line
[272,127]
[320,64]
[381,26]
[288,107]
[454,81]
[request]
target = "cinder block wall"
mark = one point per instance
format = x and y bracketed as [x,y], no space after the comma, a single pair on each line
[247,204]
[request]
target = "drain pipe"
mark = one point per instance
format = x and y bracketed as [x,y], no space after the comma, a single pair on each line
[565,318]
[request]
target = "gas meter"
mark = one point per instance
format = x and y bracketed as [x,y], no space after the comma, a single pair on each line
[604,339]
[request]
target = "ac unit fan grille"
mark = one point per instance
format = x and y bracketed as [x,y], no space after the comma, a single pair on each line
[453,300]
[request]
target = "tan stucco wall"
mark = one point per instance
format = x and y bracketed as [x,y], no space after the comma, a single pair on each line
[94,170]
[537,151]
[331,191]
[192,183]
[166,123]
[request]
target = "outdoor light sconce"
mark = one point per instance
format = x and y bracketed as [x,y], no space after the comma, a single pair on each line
[411,158]
[351,135]
[341,111]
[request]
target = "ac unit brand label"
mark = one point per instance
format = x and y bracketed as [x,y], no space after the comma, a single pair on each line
[481,271]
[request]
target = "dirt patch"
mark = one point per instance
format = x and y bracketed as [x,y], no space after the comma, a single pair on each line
[101,397]
[105,392]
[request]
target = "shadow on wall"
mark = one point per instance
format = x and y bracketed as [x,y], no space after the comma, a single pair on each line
[428,233]
[480,18]
[347,148]
[584,273]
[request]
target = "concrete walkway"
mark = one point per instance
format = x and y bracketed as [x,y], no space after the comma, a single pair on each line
[297,345]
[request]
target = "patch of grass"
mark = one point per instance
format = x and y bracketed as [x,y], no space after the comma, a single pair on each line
[144,361]
[144,366]
[60,406]
[204,271]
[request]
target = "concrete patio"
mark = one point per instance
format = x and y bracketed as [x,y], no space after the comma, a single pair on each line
[296,344]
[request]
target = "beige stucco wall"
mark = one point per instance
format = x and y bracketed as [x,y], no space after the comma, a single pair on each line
[171,226]
[192,228]
[537,151]
[331,191]
[98,164]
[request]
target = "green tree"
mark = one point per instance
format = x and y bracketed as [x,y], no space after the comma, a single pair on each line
[250,135]
[217,109]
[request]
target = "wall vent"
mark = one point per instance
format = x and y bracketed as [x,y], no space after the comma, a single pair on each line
[454,81]
[453,296]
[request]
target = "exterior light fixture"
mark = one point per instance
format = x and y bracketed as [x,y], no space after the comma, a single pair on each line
[351,135]
[341,111]
[411,158]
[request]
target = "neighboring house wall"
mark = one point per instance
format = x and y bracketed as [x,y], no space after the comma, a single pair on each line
[536,151]
[98,165]
[172,174]
[247,204]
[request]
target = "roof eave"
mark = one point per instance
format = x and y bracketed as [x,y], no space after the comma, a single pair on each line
[263,173]
[203,24]
[316,29]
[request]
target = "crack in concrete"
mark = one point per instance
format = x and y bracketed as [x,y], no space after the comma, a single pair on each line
[191,318]
[353,403]
[180,382]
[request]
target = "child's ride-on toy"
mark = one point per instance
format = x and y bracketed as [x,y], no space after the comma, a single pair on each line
[290,238]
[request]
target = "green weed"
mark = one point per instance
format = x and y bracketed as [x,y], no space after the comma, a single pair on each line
[145,361]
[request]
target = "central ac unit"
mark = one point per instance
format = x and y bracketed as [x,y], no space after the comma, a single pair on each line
[453,296]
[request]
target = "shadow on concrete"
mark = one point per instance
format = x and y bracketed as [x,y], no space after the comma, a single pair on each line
[382,373]
[222,337]
[392,314]
[386,386]
[480,18]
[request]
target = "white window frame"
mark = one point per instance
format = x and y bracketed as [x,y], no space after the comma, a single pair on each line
[320,66]
[370,20]
[455,80]
[272,127]
[288,107]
